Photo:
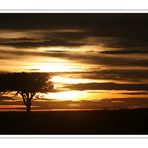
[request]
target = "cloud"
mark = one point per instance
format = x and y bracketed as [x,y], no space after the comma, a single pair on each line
[108,103]
[116,38]
[135,75]
[128,30]
[106,86]
[42,38]
[126,75]
[125,51]
[135,93]
[85,58]
[71,38]
[123,103]
[99,24]
[32,43]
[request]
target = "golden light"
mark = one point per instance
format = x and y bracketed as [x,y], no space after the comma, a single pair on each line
[66,95]
[52,67]
[65,80]
[59,79]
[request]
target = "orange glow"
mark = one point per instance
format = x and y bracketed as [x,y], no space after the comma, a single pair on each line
[52,67]
[59,79]
[66,95]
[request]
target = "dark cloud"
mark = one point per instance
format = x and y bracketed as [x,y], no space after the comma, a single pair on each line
[42,38]
[126,75]
[122,103]
[28,43]
[126,51]
[116,24]
[107,86]
[95,59]
[71,29]
[116,74]
[127,43]
[135,93]
[6,98]
[76,39]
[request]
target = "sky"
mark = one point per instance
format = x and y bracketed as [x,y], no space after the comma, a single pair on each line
[97,61]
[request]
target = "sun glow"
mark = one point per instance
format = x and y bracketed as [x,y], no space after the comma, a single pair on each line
[67,95]
[65,80]
[52,67]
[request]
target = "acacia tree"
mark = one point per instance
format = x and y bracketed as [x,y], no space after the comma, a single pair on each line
[28,85]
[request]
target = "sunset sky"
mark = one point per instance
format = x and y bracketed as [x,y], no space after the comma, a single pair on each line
[97,61]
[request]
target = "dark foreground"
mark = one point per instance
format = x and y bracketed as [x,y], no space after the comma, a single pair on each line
[75,122]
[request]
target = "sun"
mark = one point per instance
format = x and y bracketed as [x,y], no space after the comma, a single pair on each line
[52,67]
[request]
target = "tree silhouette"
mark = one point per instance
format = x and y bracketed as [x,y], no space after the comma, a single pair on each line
[25,84]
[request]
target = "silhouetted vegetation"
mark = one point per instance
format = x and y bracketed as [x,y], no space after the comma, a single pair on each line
[25,84]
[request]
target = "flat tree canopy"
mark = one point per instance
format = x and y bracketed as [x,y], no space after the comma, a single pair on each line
[26,84]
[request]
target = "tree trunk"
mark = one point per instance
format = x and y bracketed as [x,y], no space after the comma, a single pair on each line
[28,108]
[27,98]
[28,105]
